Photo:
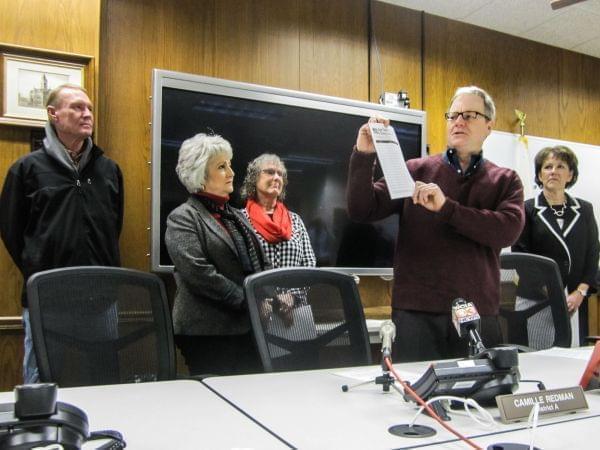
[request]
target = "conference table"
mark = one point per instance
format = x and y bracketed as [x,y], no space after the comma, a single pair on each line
[168,415]
[309,410]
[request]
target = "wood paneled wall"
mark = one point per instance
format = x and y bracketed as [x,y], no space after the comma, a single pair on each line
[293,44]
[579,97]
[396,33]
[317,46]
[71,26]
[517,73]
[559,90]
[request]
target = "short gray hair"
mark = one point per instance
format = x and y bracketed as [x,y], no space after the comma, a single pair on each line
[194,155]
[54,95]
[489,108]
[253,173]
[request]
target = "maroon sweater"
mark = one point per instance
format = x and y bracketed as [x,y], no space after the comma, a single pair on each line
[454,252]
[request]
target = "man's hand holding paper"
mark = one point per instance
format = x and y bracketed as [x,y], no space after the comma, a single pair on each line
[364,140]
[384,140]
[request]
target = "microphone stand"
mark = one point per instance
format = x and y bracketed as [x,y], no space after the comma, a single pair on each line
[475,344]
[385,380]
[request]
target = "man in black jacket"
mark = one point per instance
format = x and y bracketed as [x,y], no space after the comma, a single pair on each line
[62,205]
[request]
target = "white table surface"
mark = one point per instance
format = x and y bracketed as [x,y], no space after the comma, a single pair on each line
[170,415]
[310,411]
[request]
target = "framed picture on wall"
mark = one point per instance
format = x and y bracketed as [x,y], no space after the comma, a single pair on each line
[27,77]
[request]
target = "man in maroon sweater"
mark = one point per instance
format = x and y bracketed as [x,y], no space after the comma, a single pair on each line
[463,211]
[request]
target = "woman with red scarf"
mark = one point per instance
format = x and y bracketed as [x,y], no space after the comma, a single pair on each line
[281,233]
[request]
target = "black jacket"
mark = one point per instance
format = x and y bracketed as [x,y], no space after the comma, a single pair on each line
[574,248]
[53,215]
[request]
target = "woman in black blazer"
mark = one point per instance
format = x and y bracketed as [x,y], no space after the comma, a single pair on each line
[563,228]
[213,248]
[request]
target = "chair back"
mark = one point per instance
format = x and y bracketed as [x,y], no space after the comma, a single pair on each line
[307,318]
[100,325]
[533,307]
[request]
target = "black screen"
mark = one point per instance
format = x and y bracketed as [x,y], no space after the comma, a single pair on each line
[315,146]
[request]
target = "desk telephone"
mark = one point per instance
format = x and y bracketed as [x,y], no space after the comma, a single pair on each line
[36,419]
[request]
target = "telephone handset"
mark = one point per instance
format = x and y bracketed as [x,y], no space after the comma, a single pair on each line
[36,419]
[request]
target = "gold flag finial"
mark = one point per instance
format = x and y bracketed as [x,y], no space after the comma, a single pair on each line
[521,116]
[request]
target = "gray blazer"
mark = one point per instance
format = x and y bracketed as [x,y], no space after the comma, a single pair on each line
[208,273]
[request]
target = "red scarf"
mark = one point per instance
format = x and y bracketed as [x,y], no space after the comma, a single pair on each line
[273,229]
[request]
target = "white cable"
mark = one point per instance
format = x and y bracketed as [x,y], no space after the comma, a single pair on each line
[533,422]
[379,71]
[468,403]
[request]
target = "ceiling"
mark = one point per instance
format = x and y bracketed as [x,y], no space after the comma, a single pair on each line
[575,27]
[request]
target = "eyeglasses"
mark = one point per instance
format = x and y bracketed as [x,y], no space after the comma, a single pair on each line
[467,116]
[272,172]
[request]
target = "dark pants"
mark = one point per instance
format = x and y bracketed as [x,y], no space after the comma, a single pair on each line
[423,336]
[220,355]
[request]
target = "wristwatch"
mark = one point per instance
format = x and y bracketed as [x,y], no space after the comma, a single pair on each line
[582,292]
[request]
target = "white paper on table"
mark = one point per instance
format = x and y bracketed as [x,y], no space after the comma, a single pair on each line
[370,372]
[399,182]
[583,353]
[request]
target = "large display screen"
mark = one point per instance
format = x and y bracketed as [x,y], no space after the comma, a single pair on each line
[312,134]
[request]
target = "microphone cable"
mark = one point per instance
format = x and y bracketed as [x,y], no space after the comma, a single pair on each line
[533,423]
[485,418]
[540,384]
[427,408]
[373,37]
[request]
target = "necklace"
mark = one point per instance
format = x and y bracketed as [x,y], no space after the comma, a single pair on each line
[559,212]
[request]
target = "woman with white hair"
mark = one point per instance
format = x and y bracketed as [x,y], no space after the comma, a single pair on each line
[213,249]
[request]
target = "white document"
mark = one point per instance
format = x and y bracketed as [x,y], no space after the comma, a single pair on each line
[370,372]
[583,353]
[399,182]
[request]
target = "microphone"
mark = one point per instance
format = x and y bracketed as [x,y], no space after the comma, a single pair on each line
[464,316]
[467,322]
[387,334]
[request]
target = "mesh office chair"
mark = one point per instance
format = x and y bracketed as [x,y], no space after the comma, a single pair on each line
[533,310]
[307,318]
[100,325]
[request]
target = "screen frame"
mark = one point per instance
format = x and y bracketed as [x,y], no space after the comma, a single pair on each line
[199,83]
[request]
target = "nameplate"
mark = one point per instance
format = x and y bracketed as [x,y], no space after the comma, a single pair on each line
[516,407]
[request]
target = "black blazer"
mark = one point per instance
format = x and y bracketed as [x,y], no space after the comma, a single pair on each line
[574,248]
